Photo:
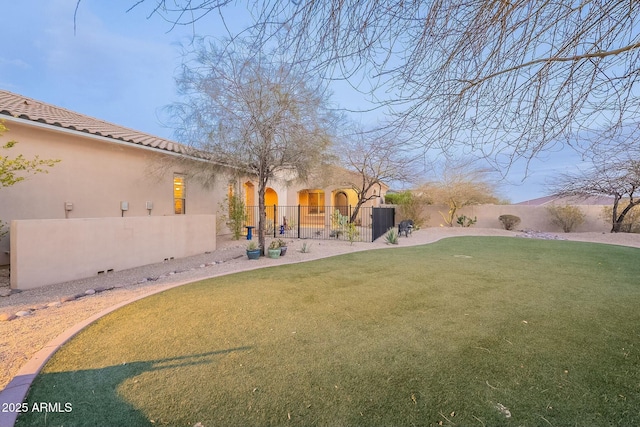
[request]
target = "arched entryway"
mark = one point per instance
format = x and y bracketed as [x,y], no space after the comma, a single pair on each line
[270,200]
[249,194]
[250,203]
[341,202]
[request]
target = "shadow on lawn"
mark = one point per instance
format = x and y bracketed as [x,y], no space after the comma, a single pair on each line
[90,397]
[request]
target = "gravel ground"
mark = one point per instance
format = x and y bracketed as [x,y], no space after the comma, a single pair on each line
[46,315]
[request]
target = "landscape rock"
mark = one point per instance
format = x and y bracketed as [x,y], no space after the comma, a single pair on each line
[23,313]
[5,317]
[533,234]
[90,291]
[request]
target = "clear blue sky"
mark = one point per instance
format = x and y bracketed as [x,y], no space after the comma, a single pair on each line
[120,67]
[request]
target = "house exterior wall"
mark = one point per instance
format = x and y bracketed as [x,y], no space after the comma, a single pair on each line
[95,175]
[50,251]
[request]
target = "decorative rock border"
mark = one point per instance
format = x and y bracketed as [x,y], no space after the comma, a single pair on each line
[533,234]
[7,316]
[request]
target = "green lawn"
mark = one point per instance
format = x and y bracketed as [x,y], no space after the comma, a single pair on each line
[472,331]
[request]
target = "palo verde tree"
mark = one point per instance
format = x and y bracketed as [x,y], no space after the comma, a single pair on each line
[460,184]
[252,112]
[508,79]
[615,176]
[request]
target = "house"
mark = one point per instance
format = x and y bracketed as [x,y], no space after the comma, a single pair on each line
[114,201]
[119,198]
[309,208]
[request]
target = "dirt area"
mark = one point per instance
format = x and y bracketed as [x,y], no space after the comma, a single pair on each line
[46,312]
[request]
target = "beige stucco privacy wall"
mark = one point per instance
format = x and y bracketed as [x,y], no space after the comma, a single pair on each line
[58,250]
[532,217]
[95,174]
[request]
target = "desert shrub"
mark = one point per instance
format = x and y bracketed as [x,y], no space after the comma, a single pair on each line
[410,206]
[234,214]
[631,222]
[352,232]
[306,248]
[567,217]
[465,221]
[395,198]
[391,237]
[509,222]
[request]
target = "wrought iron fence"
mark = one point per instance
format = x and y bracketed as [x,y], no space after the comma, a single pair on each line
[317,222]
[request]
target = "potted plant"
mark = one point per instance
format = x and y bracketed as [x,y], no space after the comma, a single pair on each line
[274,249]
[283,247]
[253,250]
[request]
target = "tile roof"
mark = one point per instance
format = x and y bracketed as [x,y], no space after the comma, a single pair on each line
[22,107]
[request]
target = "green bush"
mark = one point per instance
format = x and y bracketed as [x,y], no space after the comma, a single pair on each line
[410,206]
[234,214]
[396,198]
[509,222]
[566,217]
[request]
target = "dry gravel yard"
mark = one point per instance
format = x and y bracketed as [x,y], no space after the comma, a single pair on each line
[47,316]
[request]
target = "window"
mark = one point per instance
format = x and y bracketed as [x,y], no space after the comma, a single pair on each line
[314,199]
[179,194]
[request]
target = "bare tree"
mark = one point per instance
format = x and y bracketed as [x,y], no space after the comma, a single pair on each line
[371,159]
[617,177]
[461,184]
[253,112]
[507,78]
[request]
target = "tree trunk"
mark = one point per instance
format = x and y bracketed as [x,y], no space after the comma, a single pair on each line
[262,217]
[354,213]
[614,215]
[617,221]
[616,226]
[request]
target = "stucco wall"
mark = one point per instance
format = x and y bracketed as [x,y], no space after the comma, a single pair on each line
[95,175]
[45,252]
[532,217]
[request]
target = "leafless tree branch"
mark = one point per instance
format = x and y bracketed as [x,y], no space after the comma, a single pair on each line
[507,79]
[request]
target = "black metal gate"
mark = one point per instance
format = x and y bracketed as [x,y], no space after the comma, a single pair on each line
[383,220]
[323,222]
